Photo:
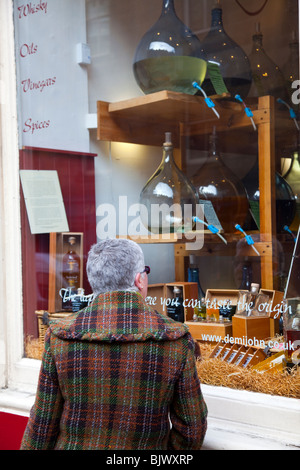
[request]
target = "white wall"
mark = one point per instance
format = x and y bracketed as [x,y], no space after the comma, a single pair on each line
[52,86]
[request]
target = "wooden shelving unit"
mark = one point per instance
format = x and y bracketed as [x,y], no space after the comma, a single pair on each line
[137,121]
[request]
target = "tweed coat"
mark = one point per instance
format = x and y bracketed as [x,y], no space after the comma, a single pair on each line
[113,376]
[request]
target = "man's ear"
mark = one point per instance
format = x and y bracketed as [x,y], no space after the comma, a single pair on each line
[138,281]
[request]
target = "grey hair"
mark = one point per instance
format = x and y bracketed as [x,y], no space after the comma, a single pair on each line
[113,264]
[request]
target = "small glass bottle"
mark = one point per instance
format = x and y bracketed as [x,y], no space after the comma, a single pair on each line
[215,182]
[261,306]
[169,56]
[70,273]
[248,299]
[79,301]
[291,328]
[199,310]
[168,200]
[228,56]
[227,311]
[176,309]
[193,276]
[246,277]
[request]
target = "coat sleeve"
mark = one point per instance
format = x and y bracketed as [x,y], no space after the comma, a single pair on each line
[43,425]
[188,413]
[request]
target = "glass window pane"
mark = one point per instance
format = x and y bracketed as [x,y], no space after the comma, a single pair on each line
[93,110]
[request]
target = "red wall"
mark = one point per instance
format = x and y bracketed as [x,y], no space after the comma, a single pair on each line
[12,428]
[77,180]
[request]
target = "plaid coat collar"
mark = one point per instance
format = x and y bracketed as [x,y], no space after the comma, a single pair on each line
[118,316]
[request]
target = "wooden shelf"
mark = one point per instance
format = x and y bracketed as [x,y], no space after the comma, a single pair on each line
[135,120]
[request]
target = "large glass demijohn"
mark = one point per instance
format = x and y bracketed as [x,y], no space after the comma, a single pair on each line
[168,200]
[229,59]
[169,56]
[285,199]
[292,177]
[267,76]
[215,182]
[290,71]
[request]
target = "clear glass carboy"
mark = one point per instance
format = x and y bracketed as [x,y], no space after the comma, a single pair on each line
[229,59]
[169,56]
[168,200]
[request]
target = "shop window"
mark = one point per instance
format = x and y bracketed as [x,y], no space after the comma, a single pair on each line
[85,116]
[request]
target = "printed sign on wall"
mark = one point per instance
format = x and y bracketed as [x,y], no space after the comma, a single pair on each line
[52,86]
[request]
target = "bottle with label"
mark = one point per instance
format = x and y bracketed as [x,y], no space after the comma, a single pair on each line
[176,310]
[70,273]
[212,311]
[246,277]
[291,327]
[79,301]
[249,299]
[261,306]
[227,311]
[199,310]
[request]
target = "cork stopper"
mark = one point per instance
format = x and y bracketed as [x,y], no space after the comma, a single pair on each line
[168,139]
[254,287]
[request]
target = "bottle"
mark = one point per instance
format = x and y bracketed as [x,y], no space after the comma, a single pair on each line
[261,306]
[200,309]
[217,183]
[251,299]
[292,177]
[248,299]
[212,314]
[290,69]
[242,305]
[70,273]
[267,77]
[285,199]
[168,200]
[169,56]
[231,61]
[79,301]
[176,309]
[227,311]
[246,277]
[193,276]
[291,328]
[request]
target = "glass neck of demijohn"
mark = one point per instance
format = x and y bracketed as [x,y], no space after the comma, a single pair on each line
[168,158]
[258,41]
[168,5]
[216,18]
[213,147]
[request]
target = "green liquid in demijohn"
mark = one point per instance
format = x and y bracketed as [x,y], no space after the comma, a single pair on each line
[170,73]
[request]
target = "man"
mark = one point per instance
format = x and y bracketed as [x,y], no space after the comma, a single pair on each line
[115,374]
